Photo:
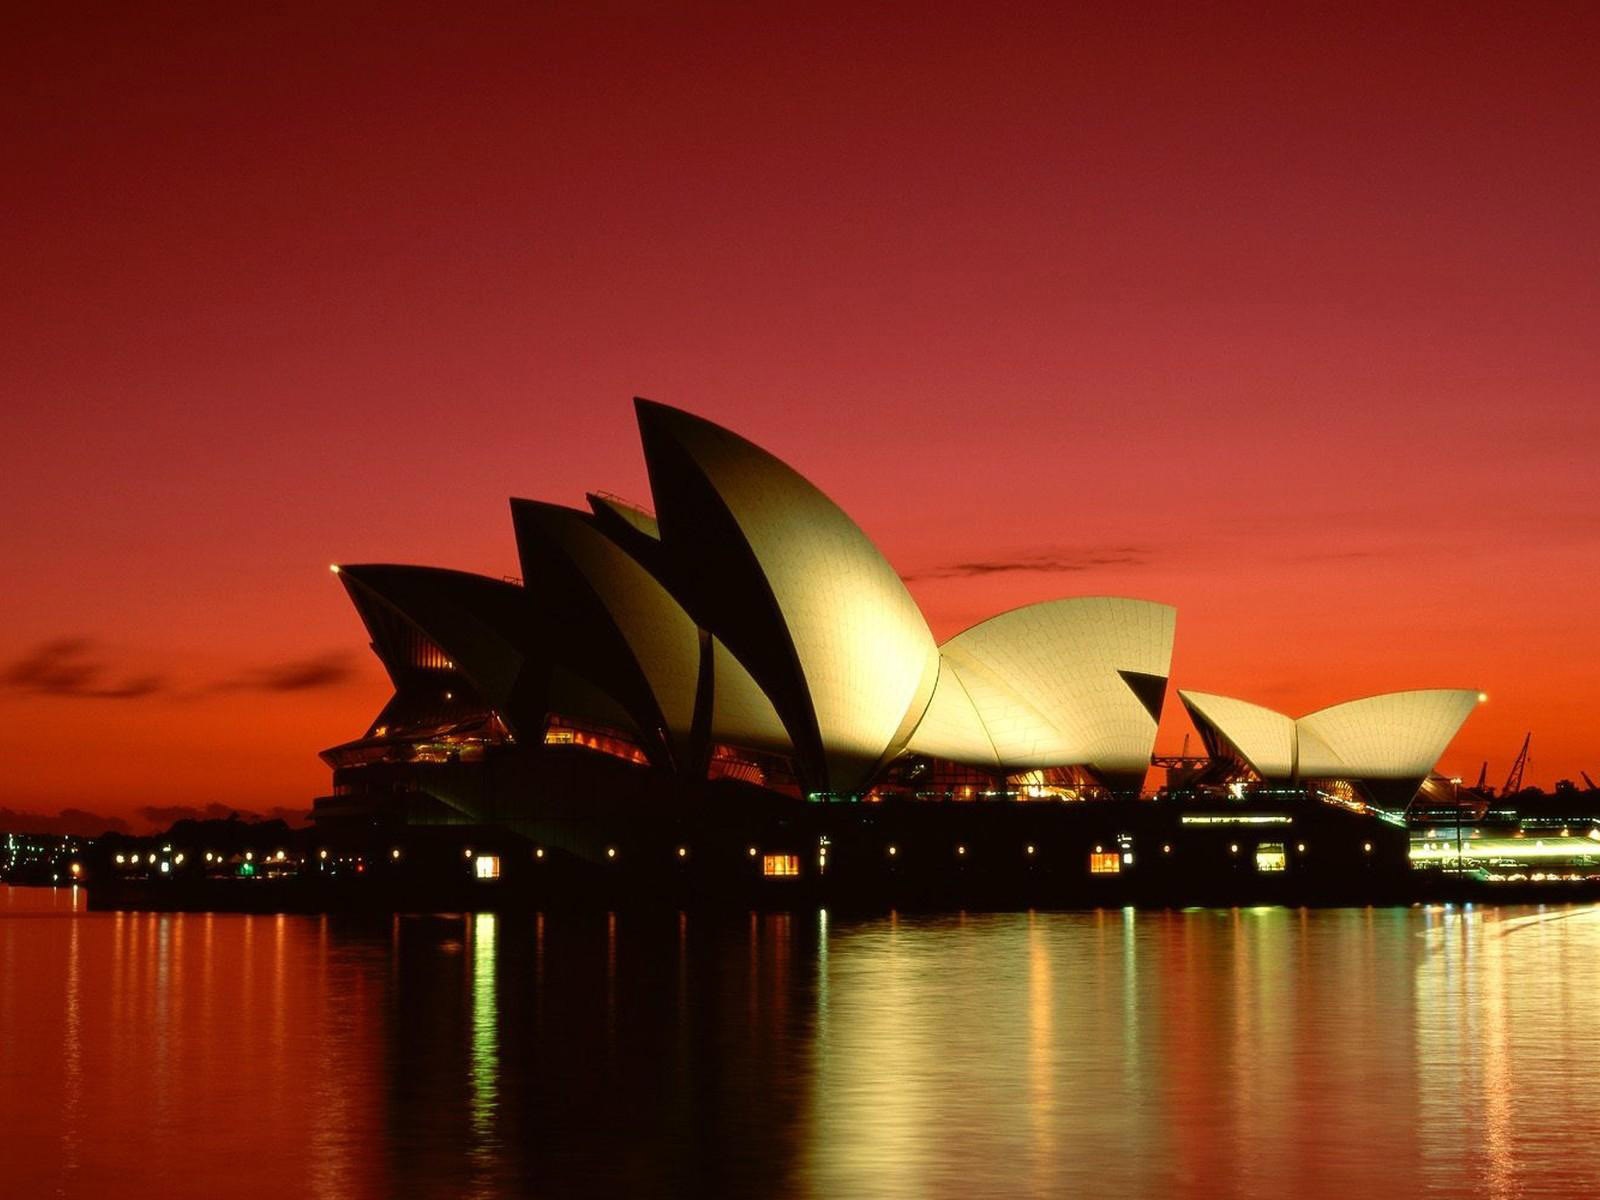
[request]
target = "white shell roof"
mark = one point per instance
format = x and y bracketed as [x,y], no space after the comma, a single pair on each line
[863,648]
[741,714]
[664,641]
[951,728]
[1043,682]
[1265,738]
[1397,735]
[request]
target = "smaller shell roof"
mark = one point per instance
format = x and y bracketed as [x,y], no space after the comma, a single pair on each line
[1391,736]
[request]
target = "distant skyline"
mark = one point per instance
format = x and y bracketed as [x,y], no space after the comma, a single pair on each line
[1286,319]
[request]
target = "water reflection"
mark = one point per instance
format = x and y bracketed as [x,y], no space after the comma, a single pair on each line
[1211,1053]
[485,1042]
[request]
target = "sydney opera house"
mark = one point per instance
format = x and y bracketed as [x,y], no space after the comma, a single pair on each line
[742,669]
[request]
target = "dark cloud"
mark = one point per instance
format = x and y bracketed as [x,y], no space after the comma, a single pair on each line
[1049,562]
[162,816]
[73,822]
[73,667]
[298,675]
[77,667]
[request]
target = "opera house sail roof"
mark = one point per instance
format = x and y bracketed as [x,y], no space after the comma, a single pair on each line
[1392,738]
[749,620]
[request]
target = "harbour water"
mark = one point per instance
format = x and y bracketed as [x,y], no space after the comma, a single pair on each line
[1208,1053]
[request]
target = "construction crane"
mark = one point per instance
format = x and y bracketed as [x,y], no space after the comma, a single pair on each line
[1514,780]
[1588,783]
[1483,777]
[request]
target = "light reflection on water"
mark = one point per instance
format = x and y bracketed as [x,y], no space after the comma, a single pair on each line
[1209,1053]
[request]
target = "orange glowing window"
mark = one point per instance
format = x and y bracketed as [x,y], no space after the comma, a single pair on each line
[487,866]
[1105,864]
[780,865]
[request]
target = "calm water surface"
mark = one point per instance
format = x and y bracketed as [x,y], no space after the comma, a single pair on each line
[1346,1053]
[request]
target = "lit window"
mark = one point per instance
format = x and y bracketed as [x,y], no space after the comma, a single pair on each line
[487,866]
[1270,856]
[780,864]
[1101,863]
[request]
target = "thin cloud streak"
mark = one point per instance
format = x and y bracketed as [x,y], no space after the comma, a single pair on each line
[1050,562]
[77,668]
[298,675]
[71,667]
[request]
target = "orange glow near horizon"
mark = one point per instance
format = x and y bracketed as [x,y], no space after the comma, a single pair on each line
[1291,328]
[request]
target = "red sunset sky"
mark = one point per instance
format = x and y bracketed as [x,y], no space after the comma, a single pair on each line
[1286,317]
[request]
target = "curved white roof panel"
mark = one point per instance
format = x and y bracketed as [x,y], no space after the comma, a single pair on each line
[1263,738]
[663,641]
[951,728]
[448,619]
[631,514]
[798,592]
[1067,682]
[1395,736]
[741,714]
[1399,735]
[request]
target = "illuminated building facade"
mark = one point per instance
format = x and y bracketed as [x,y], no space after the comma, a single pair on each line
[745,649]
